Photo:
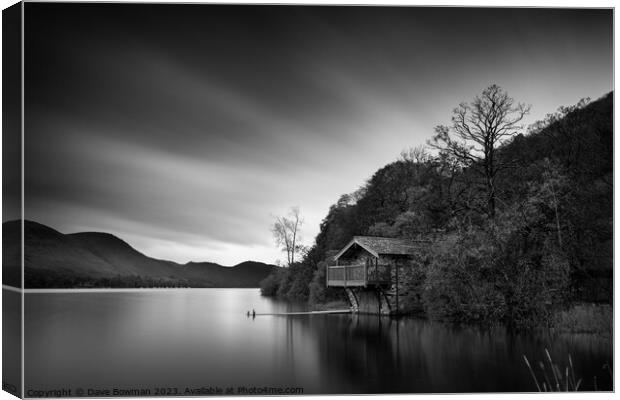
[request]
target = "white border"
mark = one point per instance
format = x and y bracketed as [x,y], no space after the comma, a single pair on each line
[457,3]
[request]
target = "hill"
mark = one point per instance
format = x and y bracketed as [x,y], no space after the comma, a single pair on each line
[549,243]
[96,259]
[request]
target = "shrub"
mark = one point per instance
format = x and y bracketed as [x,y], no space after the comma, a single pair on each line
[271,284]
[320,294]
[496,273]
[586,318]
[460,286]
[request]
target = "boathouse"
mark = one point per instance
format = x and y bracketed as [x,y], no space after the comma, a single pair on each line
[369,269]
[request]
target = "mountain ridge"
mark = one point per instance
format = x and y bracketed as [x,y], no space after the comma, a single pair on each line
[100,259]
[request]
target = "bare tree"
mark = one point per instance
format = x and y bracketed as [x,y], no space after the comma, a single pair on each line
[418,155]
[477,130]
[286,233]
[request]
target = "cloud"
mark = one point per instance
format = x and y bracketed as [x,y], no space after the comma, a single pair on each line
[187,141]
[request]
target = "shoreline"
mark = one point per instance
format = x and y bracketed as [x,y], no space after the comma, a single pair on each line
[111,290]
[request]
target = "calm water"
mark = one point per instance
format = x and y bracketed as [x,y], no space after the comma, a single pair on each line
[202,338]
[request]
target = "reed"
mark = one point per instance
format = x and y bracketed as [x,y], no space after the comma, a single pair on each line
[554,380]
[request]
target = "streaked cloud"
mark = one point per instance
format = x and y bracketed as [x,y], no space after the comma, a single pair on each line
[185,132]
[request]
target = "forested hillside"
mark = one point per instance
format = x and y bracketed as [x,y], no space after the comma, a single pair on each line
[532,240]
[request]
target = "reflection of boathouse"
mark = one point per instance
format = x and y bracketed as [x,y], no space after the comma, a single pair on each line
[370,268]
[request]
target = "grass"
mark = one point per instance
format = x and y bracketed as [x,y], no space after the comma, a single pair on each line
[586,318]
[553,379]
[595,319]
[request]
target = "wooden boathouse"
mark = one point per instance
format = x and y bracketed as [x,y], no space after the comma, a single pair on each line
[369,269]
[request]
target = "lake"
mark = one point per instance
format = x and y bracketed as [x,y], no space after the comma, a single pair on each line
[201,340]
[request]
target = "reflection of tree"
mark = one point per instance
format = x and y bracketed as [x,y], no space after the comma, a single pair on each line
[372,354]
[290,345]
[358,352]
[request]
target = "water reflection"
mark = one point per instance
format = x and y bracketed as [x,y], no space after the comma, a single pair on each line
[11,341]
[409,355]
[200,338]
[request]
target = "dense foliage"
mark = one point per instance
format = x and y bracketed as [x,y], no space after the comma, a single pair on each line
[548,243]
[48,278]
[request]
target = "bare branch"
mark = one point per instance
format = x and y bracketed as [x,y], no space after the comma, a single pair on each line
[286,233]
[478,129]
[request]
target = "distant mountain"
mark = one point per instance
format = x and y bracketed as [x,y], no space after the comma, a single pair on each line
[96,259]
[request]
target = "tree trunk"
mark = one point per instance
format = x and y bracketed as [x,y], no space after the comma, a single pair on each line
[491,197]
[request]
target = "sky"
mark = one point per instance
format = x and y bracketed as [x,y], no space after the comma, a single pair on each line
[185,129]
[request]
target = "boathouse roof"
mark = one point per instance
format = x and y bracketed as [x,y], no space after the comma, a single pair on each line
[382,246]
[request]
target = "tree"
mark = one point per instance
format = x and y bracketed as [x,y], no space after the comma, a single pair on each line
[477,130]
[286,233]
[417,155]
[553,187]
